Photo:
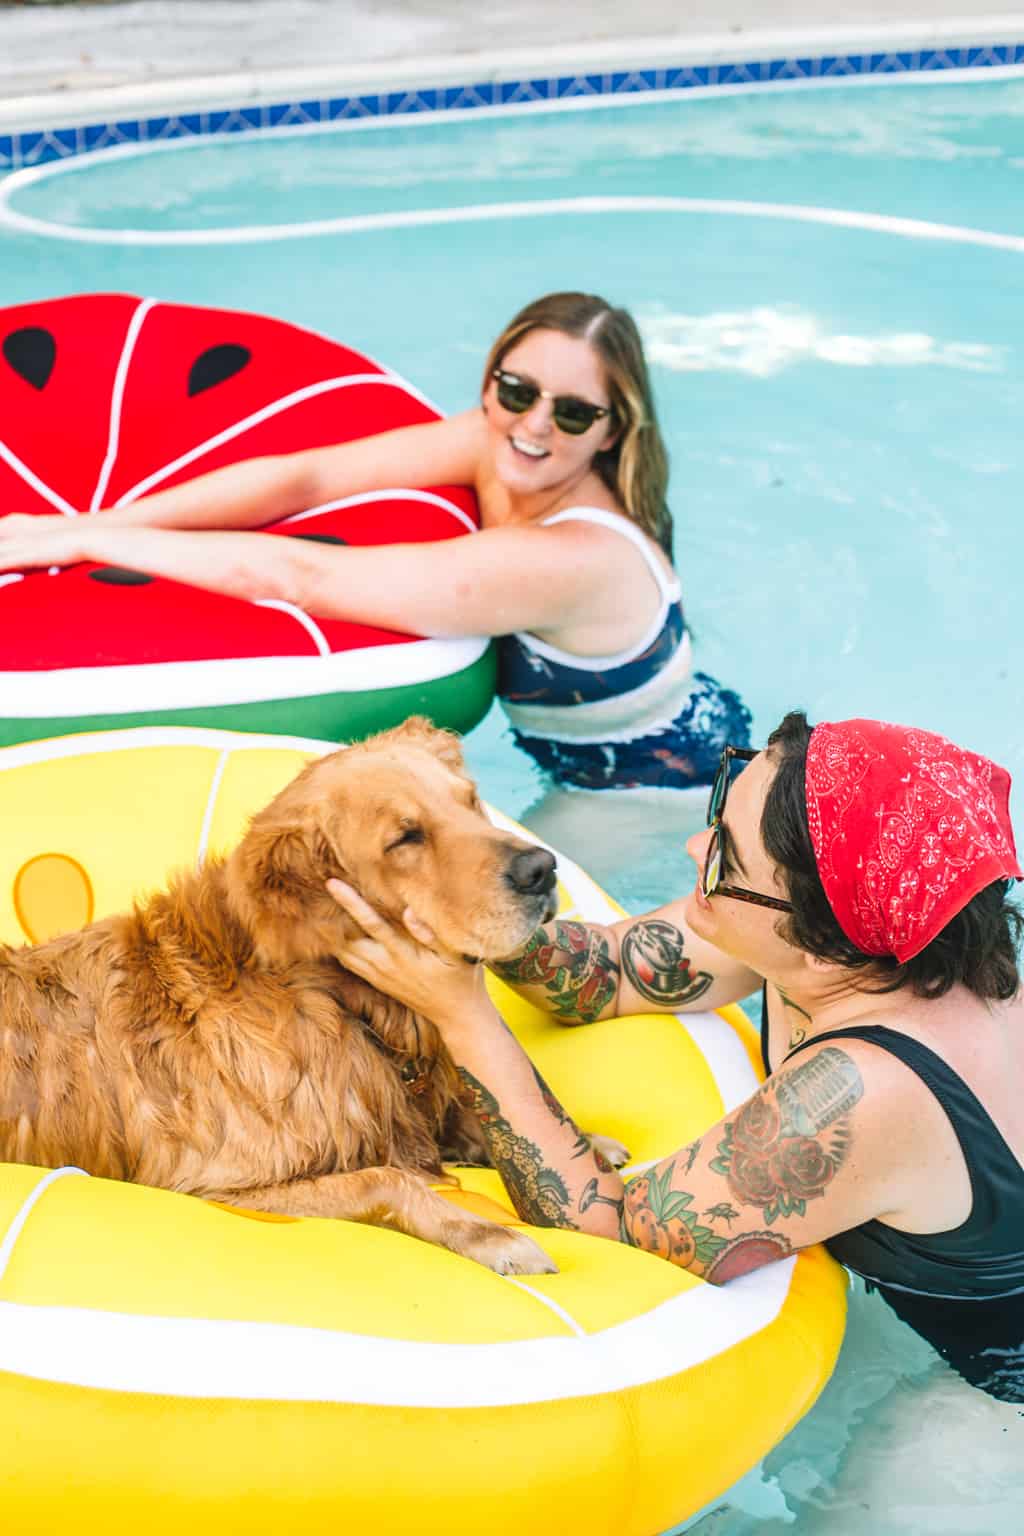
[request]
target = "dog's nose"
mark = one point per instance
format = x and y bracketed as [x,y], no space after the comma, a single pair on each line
[531,872]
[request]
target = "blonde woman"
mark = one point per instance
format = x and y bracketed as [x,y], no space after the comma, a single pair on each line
[572,568]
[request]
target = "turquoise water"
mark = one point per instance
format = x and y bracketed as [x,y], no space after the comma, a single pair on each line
[843,409]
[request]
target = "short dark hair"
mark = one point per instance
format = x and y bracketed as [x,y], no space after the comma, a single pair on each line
[979,948]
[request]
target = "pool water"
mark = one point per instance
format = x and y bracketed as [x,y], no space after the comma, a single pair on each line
[840,376]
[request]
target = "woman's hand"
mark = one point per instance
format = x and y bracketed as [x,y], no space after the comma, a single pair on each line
[400,963]
[27,541]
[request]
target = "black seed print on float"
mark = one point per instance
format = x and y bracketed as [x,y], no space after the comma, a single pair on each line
[32,353]
[114,576]
[321,538]
[216,365]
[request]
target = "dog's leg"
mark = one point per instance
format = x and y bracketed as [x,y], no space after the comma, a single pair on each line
[393,1197]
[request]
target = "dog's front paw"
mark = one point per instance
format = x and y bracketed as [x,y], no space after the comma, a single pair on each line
[608,1150]
[501,1249]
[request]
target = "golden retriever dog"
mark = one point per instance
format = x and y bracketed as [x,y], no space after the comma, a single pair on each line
[208,1041]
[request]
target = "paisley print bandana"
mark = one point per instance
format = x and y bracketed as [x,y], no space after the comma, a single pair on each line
[906,829]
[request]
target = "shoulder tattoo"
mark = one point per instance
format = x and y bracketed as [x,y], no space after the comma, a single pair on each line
[657,968]
[789,1141]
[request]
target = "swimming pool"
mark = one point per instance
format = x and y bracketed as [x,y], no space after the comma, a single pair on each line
[828,283]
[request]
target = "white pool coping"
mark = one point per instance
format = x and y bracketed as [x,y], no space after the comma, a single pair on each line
[70,106]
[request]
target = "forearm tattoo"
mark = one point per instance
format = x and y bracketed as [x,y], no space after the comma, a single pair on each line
[592,1196]
[558,1113]
[538,1192]
[572,962]
[658,1218]
[657,968]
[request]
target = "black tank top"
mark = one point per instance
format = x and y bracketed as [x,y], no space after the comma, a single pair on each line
[979,1260]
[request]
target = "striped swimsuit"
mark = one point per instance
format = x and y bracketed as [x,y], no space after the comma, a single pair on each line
[639,718]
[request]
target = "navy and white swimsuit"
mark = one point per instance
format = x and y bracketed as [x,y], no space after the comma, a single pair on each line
[640,717]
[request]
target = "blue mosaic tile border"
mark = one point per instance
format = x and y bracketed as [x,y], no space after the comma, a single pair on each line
[36,146]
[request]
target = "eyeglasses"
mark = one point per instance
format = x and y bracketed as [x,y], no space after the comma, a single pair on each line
[711,883]
[569,413]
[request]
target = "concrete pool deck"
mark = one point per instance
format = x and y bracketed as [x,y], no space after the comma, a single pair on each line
[121,51]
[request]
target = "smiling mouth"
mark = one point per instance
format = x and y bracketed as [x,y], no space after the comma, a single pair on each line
[531,451]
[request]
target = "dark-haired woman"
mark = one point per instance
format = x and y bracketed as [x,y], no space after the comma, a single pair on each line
[859,873]
[572,568]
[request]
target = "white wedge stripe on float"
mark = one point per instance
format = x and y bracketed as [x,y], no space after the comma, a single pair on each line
[297,397]
[551,1304]
[23,1212]
[211,802]
[117,401]
[207,1358]
[302,618]
[23,472]
[367,498]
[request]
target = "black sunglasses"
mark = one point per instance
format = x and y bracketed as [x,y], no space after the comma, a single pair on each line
[569,413]
[711,883]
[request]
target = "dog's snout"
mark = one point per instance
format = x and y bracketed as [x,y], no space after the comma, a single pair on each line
[531,872]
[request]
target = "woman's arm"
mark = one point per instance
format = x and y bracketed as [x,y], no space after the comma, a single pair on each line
[582,972]
[811,1153]
[551,1172]
[490,583]
[259,491]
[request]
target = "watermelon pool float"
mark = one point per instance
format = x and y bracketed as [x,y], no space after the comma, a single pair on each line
[105,398]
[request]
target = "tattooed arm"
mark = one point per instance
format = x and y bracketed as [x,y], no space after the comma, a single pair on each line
[552,1174]
[582,972]
[569,968]
[829,1141]
[550,1170]
[812,1153]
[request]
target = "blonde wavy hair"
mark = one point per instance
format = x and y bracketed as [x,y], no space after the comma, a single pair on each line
[635,467]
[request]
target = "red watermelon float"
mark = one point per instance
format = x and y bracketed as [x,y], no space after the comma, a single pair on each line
[107,397]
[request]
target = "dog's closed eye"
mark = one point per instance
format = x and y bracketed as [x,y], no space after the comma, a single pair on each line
[408,837]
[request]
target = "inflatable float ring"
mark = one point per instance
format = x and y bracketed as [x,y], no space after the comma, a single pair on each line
[169,1365]
[106,397]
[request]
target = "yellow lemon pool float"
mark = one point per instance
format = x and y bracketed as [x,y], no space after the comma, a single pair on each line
[172,1365]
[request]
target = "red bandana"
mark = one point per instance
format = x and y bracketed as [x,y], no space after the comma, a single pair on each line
[906,829]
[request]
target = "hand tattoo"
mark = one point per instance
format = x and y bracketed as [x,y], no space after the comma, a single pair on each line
[654,962]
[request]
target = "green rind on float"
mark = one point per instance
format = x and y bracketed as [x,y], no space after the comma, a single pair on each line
[457,702]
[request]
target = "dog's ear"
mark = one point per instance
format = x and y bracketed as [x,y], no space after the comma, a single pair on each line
[288,866]
[418,731]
